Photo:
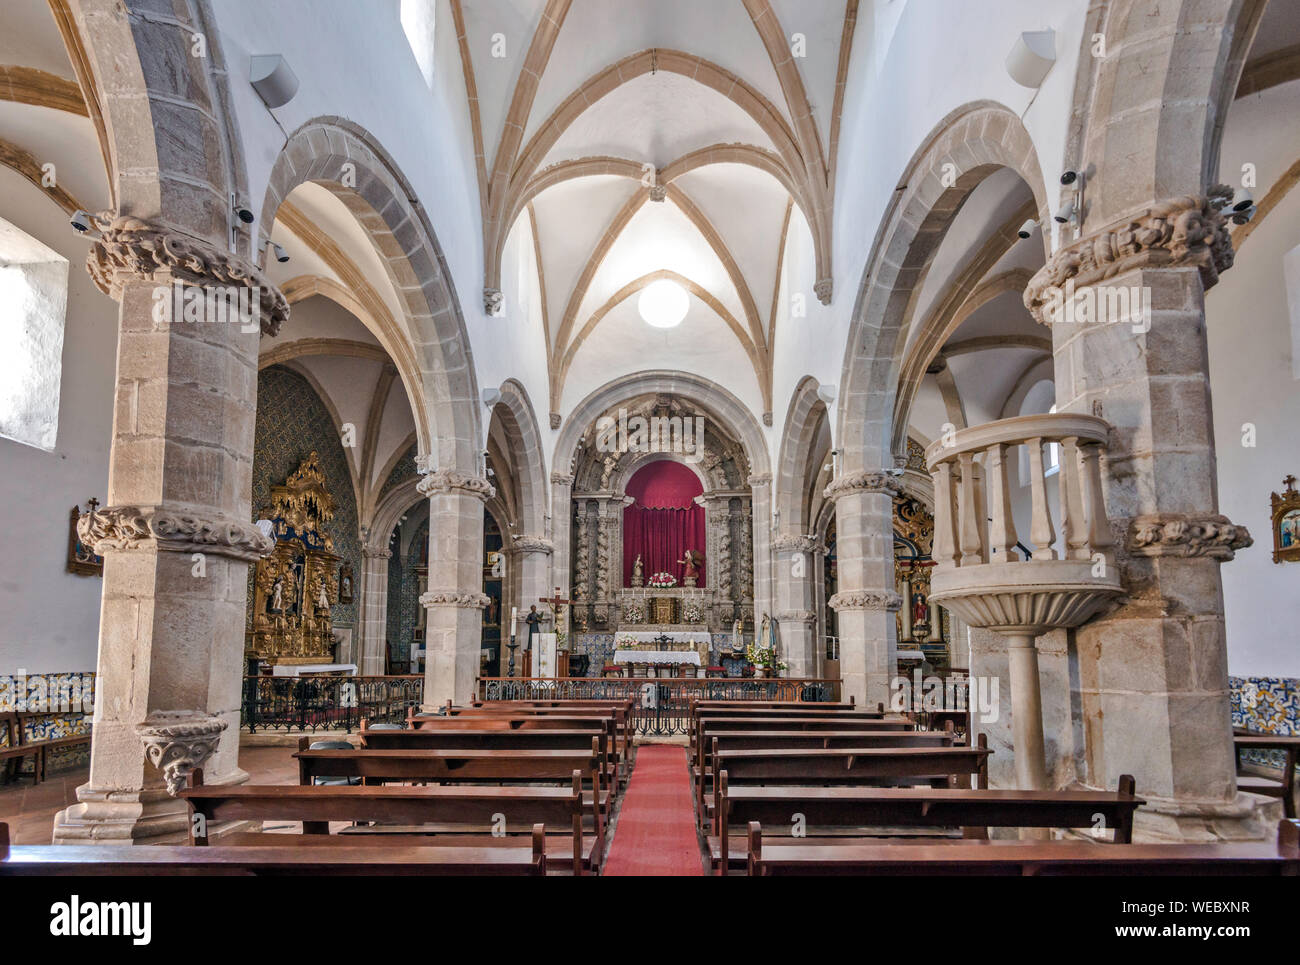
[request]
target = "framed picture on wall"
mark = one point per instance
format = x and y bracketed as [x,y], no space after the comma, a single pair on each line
[1286,523]
[345,583]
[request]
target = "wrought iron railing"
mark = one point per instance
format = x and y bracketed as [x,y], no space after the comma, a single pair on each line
[315,703]
[659,705]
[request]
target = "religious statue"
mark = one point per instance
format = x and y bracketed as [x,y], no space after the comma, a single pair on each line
[322,598]
[691,562]
[919,609]
[764,641]
[638,571]
[275,599]
[534,621]
[737,635]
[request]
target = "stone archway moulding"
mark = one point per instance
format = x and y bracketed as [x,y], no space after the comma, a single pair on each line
[335,153]
[717,403]
[976,140]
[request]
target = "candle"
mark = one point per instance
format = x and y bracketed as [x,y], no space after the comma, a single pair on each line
[514,617]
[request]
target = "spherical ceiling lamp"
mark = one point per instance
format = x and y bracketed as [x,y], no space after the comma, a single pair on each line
[663,303]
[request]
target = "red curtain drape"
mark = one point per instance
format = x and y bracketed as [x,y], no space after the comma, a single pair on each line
[664,522]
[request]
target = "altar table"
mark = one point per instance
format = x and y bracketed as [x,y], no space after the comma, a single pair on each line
[693,637]
[657,656]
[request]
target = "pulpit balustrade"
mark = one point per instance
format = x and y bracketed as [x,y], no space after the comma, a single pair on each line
[1022,585]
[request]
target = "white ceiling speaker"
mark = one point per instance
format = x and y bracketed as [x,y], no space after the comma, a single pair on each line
[1032,57]
[663,303]
[491,397]
[826,392]
[273,79]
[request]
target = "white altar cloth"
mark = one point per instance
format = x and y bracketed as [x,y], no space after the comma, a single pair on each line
[657,656]
[644,636]
[298,669]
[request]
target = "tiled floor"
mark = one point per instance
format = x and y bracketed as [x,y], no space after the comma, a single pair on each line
[29,811]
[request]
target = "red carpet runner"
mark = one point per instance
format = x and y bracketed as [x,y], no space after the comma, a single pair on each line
[655,834]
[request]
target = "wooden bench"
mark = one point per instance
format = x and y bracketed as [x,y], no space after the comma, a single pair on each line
[847,766]
[702,769]
[1283,787]
[375,765]
[17,745]
[405,810]
[14,749]
[704,726]
[1021,858]
[840,814]
[507,710]
[293,859]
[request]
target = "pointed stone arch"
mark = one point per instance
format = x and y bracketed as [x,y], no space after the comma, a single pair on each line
[346,160]
[970,144]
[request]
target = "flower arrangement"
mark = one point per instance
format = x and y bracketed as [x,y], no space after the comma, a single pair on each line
[692,612]
[662,580]
[764,657]
[633,613]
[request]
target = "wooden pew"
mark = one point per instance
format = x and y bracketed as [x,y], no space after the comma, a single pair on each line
[847,766]
[313,859]
[376,765]
[401,806]
[433,738]
[729,740]
[521,722]
[1284,787]
[839,814]
[503,710]
[1022,858]
[704,726]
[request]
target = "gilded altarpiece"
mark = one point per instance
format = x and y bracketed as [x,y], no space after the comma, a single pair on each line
[296,586]
[920,624]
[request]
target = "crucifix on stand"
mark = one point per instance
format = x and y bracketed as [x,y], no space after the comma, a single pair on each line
[561,607]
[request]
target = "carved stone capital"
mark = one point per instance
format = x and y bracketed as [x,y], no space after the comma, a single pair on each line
[178,742]
[797,616]
[443,482]
[1187,231]
[1178,534]
[866,600]
[376,552]
[863,482]
[132,248]
[493,301]
[468,601]
[561,479]
[790,543]
[534,544]
[822,289]
[169,530]
[760,479]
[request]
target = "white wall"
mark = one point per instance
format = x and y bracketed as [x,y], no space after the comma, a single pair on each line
[49,618]
[1252,358]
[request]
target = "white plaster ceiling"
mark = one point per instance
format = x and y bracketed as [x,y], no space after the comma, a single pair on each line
[30,38]
[656,117]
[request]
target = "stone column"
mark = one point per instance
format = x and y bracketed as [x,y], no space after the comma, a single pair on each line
[454,624]
[760,547]
[793,574]
[534,553]
[561,530]
[177,534]
[374,609]
[1130,346]
[866,599]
